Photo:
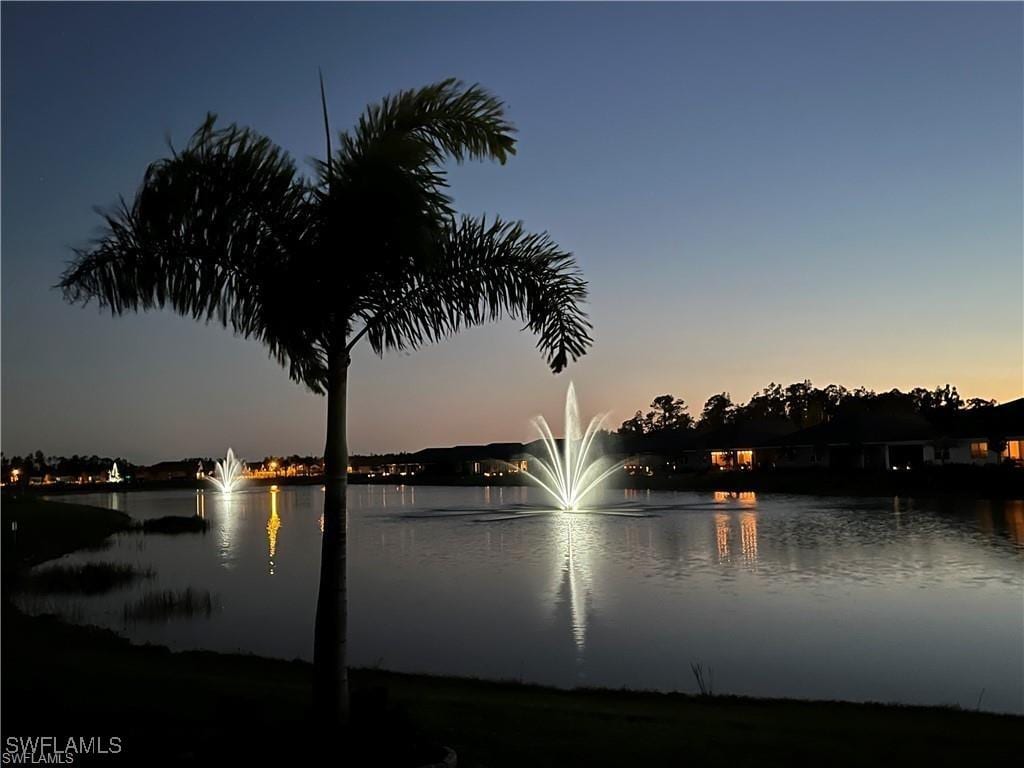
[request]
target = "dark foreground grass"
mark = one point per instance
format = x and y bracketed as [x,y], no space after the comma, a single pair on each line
[218,709]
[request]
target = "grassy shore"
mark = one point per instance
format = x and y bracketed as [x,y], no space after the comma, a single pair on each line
[207,708]
[35,530]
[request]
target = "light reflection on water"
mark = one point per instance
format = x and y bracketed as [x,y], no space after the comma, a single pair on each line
[881,599]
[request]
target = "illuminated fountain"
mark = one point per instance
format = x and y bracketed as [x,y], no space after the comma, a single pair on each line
[227,474]
[570,472]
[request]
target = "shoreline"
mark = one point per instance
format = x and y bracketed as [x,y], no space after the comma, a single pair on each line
[995,483]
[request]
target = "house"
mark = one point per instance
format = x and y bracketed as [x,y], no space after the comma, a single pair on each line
[899,441]
[859,440]
[982,436]
[495,459]
[747,445]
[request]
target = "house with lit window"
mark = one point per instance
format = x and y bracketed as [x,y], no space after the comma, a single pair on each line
[900,441]
[745,446]
[982,436]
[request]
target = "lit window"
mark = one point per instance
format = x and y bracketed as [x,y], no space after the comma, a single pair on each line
[1014,450]
[721,459]
[979,450]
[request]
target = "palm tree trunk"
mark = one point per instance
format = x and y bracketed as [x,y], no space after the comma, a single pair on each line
[330,664]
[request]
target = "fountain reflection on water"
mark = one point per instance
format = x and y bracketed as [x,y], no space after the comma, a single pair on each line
[574,579]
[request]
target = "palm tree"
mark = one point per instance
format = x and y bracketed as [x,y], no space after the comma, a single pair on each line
[367,249]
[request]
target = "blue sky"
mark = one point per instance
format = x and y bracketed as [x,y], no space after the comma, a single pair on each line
[757,193]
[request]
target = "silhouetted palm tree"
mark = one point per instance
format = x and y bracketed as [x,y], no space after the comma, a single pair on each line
[370,249]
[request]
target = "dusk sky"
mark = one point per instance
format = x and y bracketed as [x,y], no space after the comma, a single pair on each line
[755,193]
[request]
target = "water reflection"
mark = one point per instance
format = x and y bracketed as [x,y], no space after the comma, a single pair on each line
[748,536]
[725,522]
[722,535]
[272,525]
[574,577]
[1015,523]
[745,498]
[229,507]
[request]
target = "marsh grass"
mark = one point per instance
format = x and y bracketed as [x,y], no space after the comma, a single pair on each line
[168,604]
[705,684]
[87,579]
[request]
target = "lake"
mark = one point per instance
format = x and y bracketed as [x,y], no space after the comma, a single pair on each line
[894,599]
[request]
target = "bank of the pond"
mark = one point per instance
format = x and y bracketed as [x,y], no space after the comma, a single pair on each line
[35,530]
[206,708]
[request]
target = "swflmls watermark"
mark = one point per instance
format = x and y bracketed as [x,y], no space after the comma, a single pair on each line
[57,750]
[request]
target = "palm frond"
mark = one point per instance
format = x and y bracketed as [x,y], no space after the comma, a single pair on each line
[482,272]
[211,229]
[384,195]
[446,119]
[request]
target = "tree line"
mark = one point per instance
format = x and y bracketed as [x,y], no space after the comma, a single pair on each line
[38,464]
[286,462]
[800,403]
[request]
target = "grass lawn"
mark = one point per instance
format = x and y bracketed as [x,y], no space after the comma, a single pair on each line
[207,708]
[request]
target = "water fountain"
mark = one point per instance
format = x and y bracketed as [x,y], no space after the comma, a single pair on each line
[570,473]
[227,474]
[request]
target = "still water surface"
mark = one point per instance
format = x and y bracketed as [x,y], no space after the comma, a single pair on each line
[861,599]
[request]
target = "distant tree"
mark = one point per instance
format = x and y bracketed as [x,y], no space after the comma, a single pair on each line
[946,398]
[894,402]
[824,404]
[941,399]
[798,402]
[718,411]
[276,461]
[976,403]
[669,414]
[637,425]
[768,403]
[39,462]
[861,394]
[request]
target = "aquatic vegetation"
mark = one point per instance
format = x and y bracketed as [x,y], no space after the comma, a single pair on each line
[86,579]
[168,604]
